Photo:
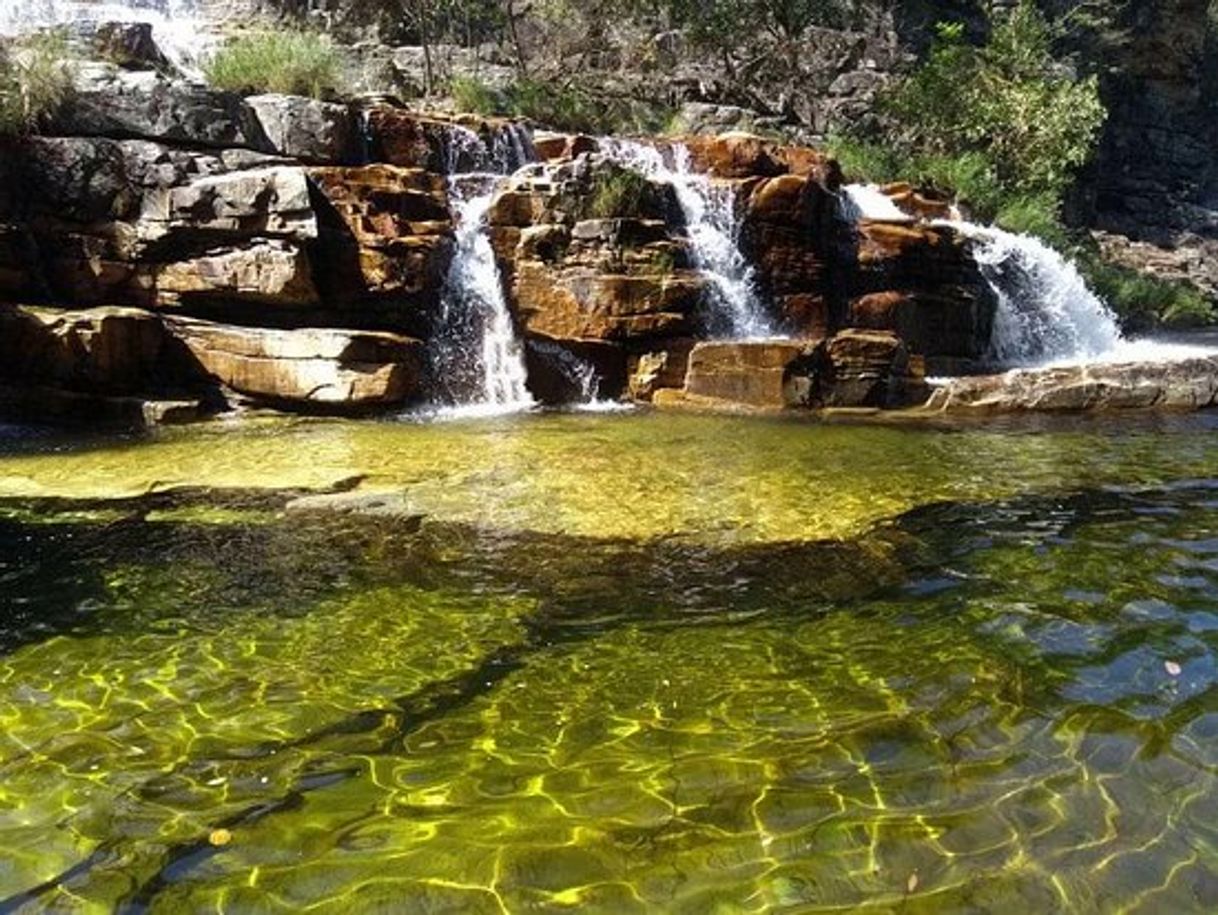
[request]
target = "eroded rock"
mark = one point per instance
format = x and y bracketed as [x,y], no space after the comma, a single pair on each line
[318,367]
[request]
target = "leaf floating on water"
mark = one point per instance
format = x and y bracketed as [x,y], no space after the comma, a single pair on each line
[912,883]
[220,837]
[1173,669]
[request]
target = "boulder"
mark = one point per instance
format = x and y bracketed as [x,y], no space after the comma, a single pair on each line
[386,231]
[269,272]
[129,45]
[573,371]
[948,323]
[108,101]
[315,368]
[307,129]
[861,368]
[1188,384]
[756,374]
[101,350]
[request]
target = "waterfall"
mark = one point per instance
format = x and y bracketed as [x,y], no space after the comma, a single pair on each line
[476,356]
[713,226]
[1046,312]
[866,201]
[179,27]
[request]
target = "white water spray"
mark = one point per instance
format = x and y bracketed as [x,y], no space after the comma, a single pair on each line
[180,28]
[713,226]
[487,377]
[1046,315]
[866,201]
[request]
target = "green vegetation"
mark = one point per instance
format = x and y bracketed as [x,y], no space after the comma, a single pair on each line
[1145,302]
[292,61]
[1004,125]
[35,80]
[620,192]
[561,106]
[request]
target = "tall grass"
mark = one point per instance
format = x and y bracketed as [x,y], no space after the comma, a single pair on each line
[289,61]
[36,76]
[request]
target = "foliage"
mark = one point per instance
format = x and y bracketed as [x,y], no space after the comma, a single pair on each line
[1010,101]
[35,80]
[1144,302]
[620,192]
[559,105]
[291,61]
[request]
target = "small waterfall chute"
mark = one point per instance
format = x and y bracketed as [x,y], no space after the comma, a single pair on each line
[713,226]
[477,358]
[866,201]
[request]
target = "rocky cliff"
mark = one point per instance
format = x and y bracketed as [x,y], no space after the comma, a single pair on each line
[161,241]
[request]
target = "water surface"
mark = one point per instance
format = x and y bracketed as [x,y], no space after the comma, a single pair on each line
[611,663]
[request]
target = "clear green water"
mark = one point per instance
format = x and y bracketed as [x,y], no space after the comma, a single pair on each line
[611,664]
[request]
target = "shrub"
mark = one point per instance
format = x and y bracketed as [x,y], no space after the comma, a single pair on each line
[1010,101]
[290,61]
[471,94]
[559,106]
[1144,302]
[35,81]
[620,192]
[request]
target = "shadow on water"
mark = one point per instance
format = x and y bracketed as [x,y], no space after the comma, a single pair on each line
[211,557]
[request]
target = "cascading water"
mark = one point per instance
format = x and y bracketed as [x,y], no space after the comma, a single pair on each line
[1047,315]
[179,27]
[1046,312]
[713,227]
[476,355]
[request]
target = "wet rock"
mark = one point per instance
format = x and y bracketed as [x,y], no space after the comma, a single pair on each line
[791,234]
[573,371]
[862,368]
[56,406]
[949,323]
[306,129]
[1189,384]
[305,368]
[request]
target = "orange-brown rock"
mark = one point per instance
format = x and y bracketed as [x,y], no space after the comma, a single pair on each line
[750,374]
[389,229]
[861,368]
[791,235]
[107,350]
[733,155]
[553,147]
[948,323]
[319,367]
[917,203]
[583,304]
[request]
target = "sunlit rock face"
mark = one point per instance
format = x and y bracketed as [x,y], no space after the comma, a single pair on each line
[318,367]
[1189,384]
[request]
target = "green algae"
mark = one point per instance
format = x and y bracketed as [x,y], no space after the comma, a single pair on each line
[639,477]
[967,707]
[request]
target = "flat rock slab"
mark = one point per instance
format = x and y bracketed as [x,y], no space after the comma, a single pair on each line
[1189,384]
[305,367]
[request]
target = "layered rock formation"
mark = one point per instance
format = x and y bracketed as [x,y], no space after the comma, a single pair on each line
[1188,384]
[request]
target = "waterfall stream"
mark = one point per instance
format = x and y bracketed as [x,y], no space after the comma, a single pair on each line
[713,226]
[1047,314]
[476,355]
[180,28]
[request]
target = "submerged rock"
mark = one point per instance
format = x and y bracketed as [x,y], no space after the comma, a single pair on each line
[1189,384]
